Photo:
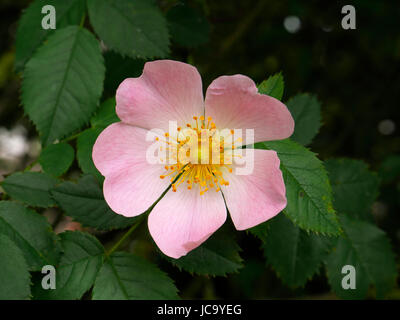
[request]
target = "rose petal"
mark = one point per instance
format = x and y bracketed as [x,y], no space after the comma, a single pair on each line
[166,91]
[233,103]
[131,183]
[257,197]
[184,219]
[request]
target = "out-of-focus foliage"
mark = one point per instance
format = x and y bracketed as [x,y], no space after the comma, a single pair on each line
[341,86]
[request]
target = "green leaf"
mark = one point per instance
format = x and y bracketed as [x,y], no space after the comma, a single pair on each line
[14,275]
[367,249]
[30,232]
[294,254]
[188,27]
[85,144]
[260,231]
[57,158]
[81,260]
[135,28]
[389,169]
[84,202]
[30,34]
[273,86]
[354,187]
[308,192]
[63,83]
[218,256]
[105,115]
[124,276]
[32,188]
[306,112]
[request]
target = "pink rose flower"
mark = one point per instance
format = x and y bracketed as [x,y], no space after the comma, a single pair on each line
[196,205]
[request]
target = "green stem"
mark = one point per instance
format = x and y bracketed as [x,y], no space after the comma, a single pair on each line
[73,137]
[83,20]
[126,235]
[29,167]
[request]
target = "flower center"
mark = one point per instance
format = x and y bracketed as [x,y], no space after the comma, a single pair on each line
[199,157]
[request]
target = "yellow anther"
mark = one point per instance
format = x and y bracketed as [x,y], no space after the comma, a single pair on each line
[200,169]
[203,191]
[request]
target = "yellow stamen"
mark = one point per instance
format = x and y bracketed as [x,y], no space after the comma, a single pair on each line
[200,169]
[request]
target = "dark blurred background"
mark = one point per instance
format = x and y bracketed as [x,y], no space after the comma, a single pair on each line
[354,73]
